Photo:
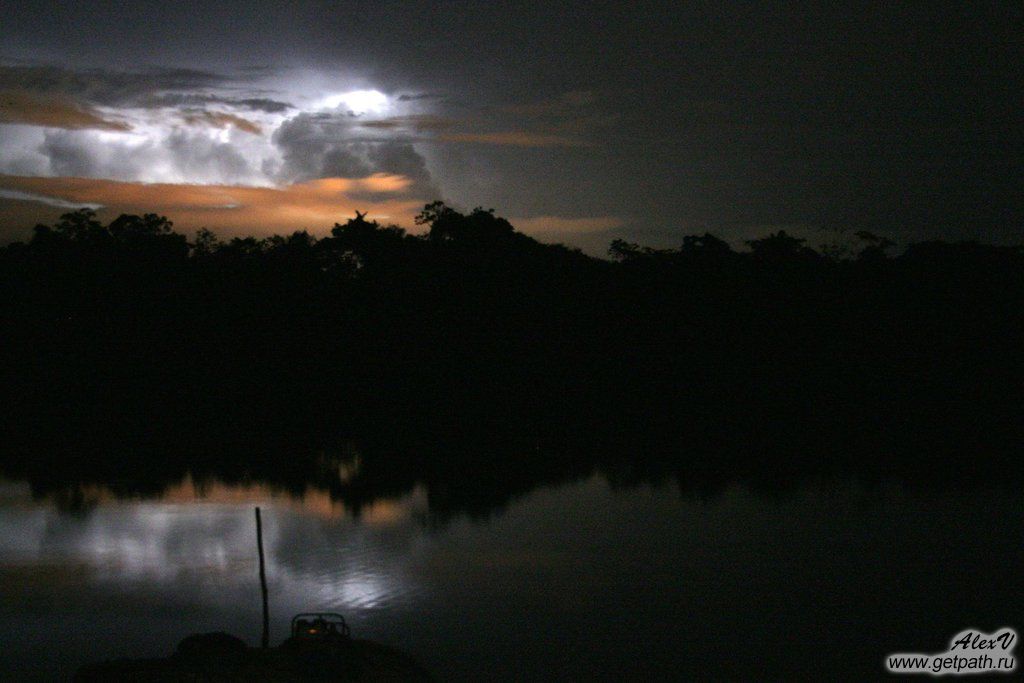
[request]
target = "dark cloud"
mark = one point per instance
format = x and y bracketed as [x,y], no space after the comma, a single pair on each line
[105,86]
[564,104]
[245,34]
[261,104]
[184,99]
[515,138]
[306,142]
[335,145]
[400,158]
[417,97]
[337,161]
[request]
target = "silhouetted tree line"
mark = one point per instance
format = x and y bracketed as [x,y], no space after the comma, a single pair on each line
[128,346]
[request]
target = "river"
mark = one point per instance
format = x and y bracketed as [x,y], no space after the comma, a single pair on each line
[581,580]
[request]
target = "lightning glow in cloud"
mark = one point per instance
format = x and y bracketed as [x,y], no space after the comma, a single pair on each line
[358,102]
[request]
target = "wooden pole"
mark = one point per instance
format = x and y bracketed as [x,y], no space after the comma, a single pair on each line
[265,643]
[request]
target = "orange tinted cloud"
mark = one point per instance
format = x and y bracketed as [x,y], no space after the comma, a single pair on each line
[437,129]
[515,138]
[416,122]
[549,225]
[17,106]
[315,205]
[219,119]
[590,233]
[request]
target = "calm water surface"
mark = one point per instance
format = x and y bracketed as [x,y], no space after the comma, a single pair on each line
[573,582]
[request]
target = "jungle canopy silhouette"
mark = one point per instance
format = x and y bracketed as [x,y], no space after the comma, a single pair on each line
[131,345]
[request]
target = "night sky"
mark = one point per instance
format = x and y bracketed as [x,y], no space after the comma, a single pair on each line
[581,123]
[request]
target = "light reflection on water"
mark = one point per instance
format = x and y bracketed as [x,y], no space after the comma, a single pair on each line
[569,582]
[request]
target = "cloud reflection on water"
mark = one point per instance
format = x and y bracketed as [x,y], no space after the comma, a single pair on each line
[204,532]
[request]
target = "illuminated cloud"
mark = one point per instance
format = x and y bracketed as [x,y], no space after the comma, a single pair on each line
[219,119]
[177,155]
[43,199]
[149,125]
[255,150]
[162,115]
[357,102]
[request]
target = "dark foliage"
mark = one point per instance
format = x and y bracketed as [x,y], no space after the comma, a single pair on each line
[481,362]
